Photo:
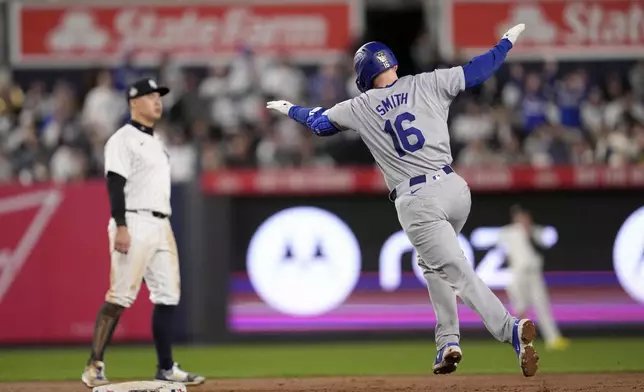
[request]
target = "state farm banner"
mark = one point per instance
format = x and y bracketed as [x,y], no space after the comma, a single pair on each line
[80,34]
[54,266]
[564,29]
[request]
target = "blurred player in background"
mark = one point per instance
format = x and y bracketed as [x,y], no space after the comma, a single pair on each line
[521,240]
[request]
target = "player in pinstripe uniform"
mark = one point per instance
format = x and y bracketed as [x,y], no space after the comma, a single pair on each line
[521,240]
[142,243]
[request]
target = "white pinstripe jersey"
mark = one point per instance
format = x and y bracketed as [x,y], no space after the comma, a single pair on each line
[143,161]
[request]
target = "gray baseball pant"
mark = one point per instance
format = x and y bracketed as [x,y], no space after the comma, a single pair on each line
[432,214]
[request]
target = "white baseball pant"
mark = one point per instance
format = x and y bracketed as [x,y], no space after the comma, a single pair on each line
[152,257]
[528,289]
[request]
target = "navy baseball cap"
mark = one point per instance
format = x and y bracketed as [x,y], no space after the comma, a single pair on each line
[144,87]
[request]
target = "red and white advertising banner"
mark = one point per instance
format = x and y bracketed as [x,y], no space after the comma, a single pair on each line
[80,34]
[369,180]
[55,268]
[564,29]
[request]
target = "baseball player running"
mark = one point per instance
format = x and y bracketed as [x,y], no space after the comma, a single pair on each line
[142,243]
[527,287]
[403,122]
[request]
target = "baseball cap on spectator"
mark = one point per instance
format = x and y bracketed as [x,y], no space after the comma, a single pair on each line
[144,87]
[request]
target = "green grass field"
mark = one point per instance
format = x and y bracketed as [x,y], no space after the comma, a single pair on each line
[324,359]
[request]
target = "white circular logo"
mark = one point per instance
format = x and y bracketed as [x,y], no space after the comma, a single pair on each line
[628,255]
[303,261]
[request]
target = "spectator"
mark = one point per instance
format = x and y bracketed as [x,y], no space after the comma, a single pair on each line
[201,132]
[183,158]
[328,86]
[638,139]
[6,170]
[473,124]
[283,80]
[633,109]
[636,79]
[619,148]
[37,101]
[536,147]
[215,85]
[190,106]
[267,153]
[569,97]
[593,112]
[423,52]
[289,137]
[62,126]
[171,75]
[11,101]
[214,90]
[6,119]
[513,90]
[478,154]
[244,76]
[534,105]
[68,164]
[104,107]
[549,77]
[624,111]
[615,108]
[309,157]
[240,151]
[511,152]
[126,74]
[11,95]
[350,88]
[489,91]
[581,152]
[601,146]
[211,156]
[244,85]
[29,160]
[558,144]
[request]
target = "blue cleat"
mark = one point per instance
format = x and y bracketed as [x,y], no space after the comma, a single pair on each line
[523,334]
[447,359]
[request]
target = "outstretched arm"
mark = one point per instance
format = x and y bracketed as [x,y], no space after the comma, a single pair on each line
[315,119]
[443,85]
[482,67]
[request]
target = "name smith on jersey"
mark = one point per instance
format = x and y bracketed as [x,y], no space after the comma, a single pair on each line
[392,101]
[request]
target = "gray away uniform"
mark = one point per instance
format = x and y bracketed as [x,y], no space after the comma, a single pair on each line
[405,128]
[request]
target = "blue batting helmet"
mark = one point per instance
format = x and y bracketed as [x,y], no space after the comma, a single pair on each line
[372,59]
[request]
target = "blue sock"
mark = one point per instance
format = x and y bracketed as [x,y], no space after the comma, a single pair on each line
[162,331]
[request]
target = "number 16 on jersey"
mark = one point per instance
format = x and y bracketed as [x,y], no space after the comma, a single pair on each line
[406,140]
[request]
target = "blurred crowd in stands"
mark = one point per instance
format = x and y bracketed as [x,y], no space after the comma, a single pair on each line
[533,115]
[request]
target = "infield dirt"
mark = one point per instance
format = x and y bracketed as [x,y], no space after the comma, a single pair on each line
[609,382]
